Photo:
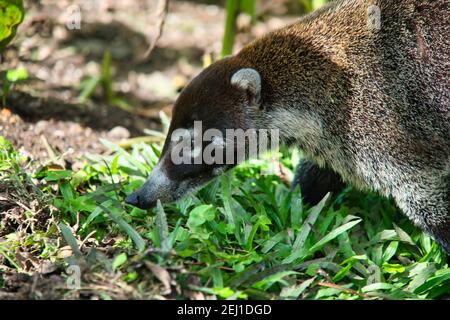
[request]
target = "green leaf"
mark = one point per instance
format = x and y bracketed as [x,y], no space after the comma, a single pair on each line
[342,273]
[163,229]
[249,7]
[377,286]
[390,251]
[119,261]
[56,175]
[131,276]
[137,239]
[316,4]
[270,243]
[297,247]
[200,215]
[293,292]
[333,234]
[232,10]
[88,88]
[393,268]
[403,235]
[296,208]
[419,274]
[383,236]
[66,191]
[262,223]
[226,198]
[16,75]
[70,239]
[130,159]
[93,215]
[5,254]
[12,14]
[443,276]
[269,281]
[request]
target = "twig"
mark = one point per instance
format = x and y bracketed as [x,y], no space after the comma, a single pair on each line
[125,144]
[87,237]
[49,149]
[20,204]
[54,159]
[335,286]
[162,9]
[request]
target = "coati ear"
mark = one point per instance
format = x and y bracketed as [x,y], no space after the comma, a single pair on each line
[249,80]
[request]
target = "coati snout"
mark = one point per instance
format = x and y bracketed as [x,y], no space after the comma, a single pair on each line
[368,103]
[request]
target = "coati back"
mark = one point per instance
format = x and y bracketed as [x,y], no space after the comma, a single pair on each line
[360,86]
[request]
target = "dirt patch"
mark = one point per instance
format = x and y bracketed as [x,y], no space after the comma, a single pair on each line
[36,124]
[20,286]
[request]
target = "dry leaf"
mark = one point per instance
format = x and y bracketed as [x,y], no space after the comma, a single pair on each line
[163,275]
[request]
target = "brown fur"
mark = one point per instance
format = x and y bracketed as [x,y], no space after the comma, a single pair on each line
[370,104]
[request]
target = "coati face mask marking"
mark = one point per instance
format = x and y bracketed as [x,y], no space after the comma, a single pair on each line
[221,100]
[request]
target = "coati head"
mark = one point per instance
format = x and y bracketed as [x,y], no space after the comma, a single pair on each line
[287,88]
[226,95]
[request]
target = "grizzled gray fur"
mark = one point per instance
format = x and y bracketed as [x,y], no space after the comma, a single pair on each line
[362,87]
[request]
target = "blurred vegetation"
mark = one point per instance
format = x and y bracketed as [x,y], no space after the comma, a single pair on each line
[11,16]
[105,82]
[236,7]
[245,235]
[233,9]
[9,79]
[311,5]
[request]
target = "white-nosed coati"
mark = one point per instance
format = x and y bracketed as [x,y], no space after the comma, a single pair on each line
[367,101]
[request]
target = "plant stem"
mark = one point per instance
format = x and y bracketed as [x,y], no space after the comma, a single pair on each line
[232,9]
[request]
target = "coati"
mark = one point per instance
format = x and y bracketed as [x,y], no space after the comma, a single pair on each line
[360,86]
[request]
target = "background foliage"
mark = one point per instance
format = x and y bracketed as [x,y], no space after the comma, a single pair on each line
[12,14]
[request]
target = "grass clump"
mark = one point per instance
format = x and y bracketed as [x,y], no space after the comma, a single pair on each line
[245,236]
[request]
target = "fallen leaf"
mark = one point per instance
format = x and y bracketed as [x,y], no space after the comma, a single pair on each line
[163,275]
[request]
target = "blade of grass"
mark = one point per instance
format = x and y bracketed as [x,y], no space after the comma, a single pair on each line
[7,257]
[163,229]
[232,10]
[333,234]
[133,234]
[444,276]
[131,160]
[70,239]
[88,90]
[297,247]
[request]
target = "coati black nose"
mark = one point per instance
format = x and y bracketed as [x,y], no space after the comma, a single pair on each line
[136,199]
[157,186]
[132,199]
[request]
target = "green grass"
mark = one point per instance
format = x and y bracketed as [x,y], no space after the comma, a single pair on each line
[244,236]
